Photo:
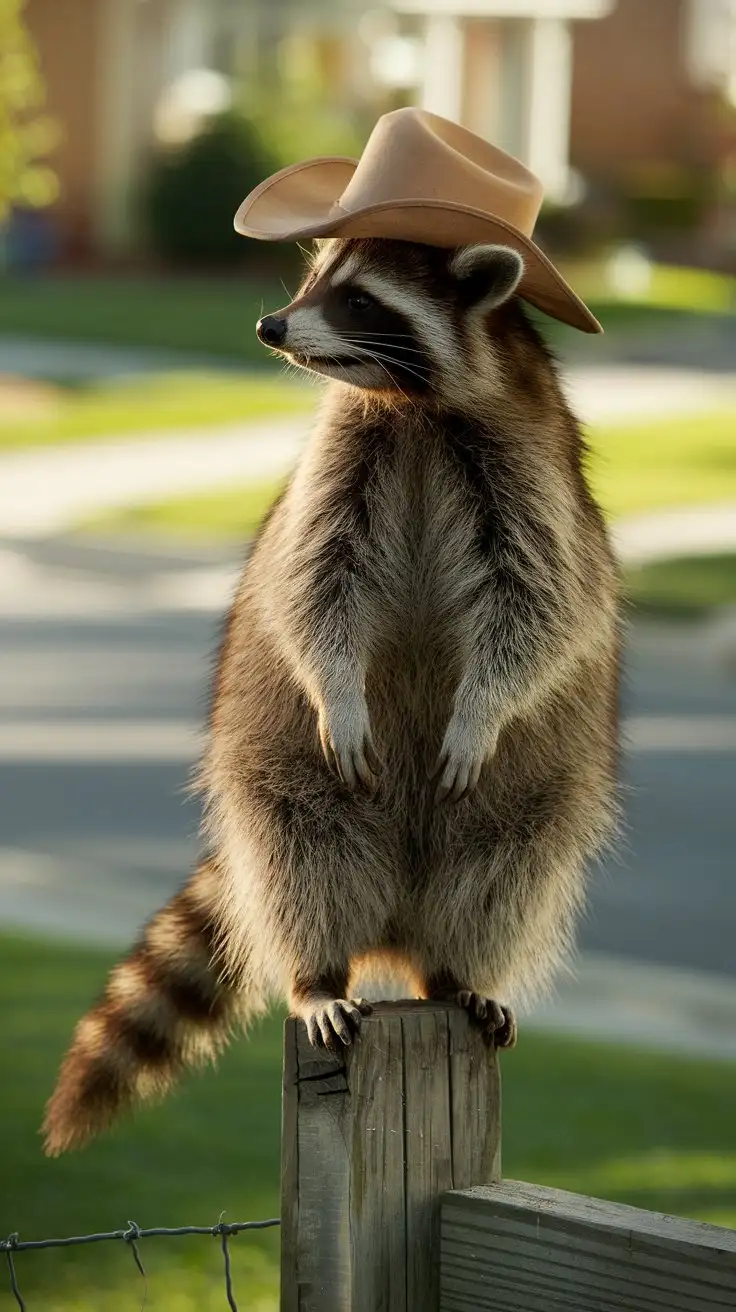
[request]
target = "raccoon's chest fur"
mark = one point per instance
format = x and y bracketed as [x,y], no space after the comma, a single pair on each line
[423,542]
[421,535]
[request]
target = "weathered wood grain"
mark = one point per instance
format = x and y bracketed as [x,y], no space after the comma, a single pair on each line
[289,1173]
[377,1185]
[369,1144]
[427,1149]
[475,1085]
[515,1247]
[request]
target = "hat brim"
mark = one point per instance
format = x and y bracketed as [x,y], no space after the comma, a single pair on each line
[300,202]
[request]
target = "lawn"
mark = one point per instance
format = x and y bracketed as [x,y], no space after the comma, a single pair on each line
[211,316]
[213,1149]
[41,414]
[233,515]
[699,291]
[215,316]
[628,1125]
[689,460]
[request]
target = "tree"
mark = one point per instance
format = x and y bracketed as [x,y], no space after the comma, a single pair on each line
[26,133]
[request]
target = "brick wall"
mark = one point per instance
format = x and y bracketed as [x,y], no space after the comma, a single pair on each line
[632,102]
[67,37]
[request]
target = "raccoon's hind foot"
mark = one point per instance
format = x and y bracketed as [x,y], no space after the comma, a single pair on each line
[332,1021]
[334,1024]
[496,1023]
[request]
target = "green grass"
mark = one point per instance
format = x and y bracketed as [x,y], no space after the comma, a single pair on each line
[233,515]
[669,462]
[214,1148]
[148,404]
[214,316]
[699,291]
[632,1126]
[625,1124]
[685,587]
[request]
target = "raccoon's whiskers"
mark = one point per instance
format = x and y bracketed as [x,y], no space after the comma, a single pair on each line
[384,360]
[379,339]
[372,355]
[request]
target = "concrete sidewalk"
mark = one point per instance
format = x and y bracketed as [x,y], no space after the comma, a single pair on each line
[45,490]
[688,531]
[32,589]
[607,998]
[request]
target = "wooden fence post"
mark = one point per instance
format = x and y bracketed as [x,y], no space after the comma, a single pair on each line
[369,1144]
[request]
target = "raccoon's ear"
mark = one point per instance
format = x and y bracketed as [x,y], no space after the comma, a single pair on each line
[488,275]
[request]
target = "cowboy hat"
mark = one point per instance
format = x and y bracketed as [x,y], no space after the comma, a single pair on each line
[423,179]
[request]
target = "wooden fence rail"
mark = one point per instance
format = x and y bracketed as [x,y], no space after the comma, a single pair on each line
[381,1151]
[520,1248]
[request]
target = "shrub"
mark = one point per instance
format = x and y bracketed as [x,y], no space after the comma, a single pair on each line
[193,191]
[663,199]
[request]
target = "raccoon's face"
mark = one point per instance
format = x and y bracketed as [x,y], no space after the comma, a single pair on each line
[392,316]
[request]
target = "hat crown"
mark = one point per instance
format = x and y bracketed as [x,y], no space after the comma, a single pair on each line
[420,179]
[414,155]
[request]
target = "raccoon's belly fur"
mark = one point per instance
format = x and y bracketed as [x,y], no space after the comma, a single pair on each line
[488,888]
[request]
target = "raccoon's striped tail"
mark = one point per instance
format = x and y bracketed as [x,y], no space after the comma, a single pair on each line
[166,1006]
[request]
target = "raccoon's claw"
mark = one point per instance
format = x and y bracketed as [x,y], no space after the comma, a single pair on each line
[350,754]
[462,757]
[334,1024]
[497,1023]
[457,776]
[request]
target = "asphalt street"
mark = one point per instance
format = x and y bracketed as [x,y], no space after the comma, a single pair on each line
[102,691]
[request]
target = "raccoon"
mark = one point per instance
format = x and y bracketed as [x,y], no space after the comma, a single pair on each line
[413,740]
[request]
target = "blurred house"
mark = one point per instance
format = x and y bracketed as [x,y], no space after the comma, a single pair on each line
[630,98]
[504,68]
[638,106]
[122,75]
[653,119]
[651,84]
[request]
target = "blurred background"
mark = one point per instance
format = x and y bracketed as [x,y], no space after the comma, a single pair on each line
[143,432]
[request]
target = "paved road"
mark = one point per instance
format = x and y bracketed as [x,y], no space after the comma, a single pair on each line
[102,689]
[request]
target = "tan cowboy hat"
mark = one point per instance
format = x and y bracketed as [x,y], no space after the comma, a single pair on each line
[423,179]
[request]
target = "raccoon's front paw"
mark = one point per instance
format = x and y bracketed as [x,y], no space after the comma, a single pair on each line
[347,743]
[462,756]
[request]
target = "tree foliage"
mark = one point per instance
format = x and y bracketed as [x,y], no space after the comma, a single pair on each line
[27,134]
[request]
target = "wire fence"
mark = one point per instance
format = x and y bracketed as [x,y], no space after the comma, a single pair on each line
[131,1236]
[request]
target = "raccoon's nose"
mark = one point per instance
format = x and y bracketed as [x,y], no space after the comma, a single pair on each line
[271,330]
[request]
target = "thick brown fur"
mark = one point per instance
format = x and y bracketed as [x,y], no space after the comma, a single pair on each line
[165,1007]
[431,605]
